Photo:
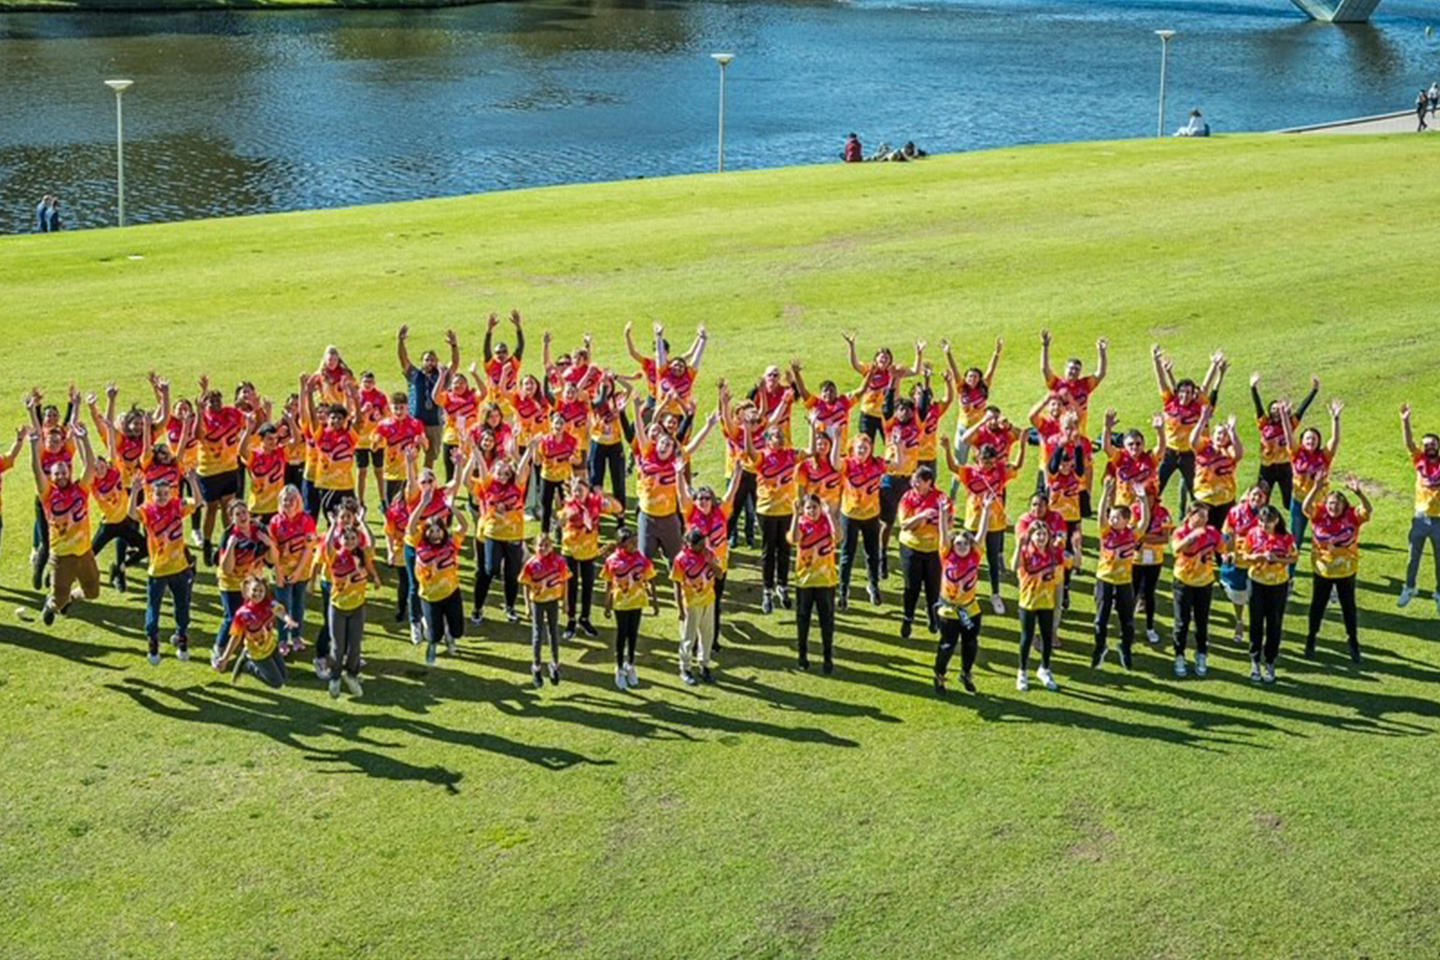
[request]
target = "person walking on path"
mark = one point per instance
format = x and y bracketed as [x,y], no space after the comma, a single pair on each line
[1421,101]
[1434,96]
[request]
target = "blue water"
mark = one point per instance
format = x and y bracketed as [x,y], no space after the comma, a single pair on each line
[244,113]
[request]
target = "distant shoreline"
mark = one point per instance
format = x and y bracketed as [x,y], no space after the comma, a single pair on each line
[187,6]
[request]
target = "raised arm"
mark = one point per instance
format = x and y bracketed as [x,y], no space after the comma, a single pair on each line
[1406,430]
[1235,441]
[490,324]
[1102,363]
[1309,398]
[1046,371]
[1020,460]
[1197,433]
[1286,426]
[696,440]
[1161,444]
[442,383]
[454,343]
[1312,498]
[1107,445]
[994,362]
[1353,485]
[1255,395]
[950,363]
[798,381]
[697,350]
[401,352]
[1335,407]
[133,510]
[39,474]
[854,357]
[87,454]
[519,324]
[1158,359]
[1212,375]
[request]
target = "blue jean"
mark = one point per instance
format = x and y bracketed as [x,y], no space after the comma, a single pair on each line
[230,601]
[1299,523]
[413,601]
[178,585]
[292,598]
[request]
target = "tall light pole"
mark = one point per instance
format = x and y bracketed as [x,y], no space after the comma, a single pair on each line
[1164,36]
[120,86]
[724,60]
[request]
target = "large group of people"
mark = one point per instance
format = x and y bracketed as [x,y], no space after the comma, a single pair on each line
[296,505]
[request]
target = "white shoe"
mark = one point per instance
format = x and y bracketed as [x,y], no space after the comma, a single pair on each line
[630,676]
[182,654]
[215,656]
[1406,594]
[197,538]
[1201,668]
[449,645]
[334,689]
[1255,670]
[322,668]
[1022,681]
[154,659]
[1152,635]
[1180,670]
[1047,678]
[1269,673]
[619,678]
[997,604]
[353,685]
[417,633]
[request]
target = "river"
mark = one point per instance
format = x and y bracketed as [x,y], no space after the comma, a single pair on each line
[239,113]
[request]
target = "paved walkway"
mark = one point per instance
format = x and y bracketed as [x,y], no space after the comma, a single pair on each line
[1402,122]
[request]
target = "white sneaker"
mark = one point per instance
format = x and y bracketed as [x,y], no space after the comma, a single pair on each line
[215,656]
[1406,595]
[1022,681]
[449,645]
[334,689]
[197,538]
[353,685]
[1269,673]
[1180,670]
[182,654]
[619,678]
[1047,678]
[154,659]
[322,668]
[1255,671]
[1152,635]
[1201,668]
[997,604]
[630,676]
[417,633]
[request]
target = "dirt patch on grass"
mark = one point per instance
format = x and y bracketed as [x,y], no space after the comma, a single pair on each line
[1097,842]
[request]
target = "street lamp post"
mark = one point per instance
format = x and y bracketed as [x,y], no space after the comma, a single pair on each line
[1164,36]
[120,86]
[724,60]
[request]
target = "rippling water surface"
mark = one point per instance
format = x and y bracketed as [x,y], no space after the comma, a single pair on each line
[236,113]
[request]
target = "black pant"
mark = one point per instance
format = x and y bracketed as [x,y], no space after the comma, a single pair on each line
[1185,463]
[492,559]
[1267,614]
[953,631]
[444,617]
[1147,578]
[608,458]
[852,531]
[870,426]
[995,557]
[744,503]
[775,563]
[582,581]
[719,592]
[402,590]
[448,455]
[1345,588]
[1280,477]
[1029,620]
[627,631]
[1192,603]
[922,569]
[821,600]
[1119,597]
[124,534]
[549,489]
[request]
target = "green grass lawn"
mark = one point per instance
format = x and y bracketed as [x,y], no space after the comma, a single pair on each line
[160,811]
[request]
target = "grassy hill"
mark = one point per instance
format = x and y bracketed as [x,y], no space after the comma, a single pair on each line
[162,812]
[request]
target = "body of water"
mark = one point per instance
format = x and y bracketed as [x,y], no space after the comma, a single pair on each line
[236,113]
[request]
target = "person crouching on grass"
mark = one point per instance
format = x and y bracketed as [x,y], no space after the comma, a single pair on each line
[628,574]
[693,572]
[545,578]
[253,643]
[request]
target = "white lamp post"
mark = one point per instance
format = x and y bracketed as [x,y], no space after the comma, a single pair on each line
[1164,36]
[120,86]
[724,60]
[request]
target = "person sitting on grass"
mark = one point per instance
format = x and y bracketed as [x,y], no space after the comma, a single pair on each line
[254,644]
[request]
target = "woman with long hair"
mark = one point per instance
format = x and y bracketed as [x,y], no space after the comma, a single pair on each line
[1335,553]
[1271,550]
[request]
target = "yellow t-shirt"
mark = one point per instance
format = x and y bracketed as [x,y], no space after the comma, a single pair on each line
[1195,564]
[437,568]
[1427,485]
[1041,573]
[902,446]
[67,510]
[557,454]
[335,459]
[255,624]
[860,495]
[626,573]
[165,536]
[349,578]
[1214,474]
[111,496]
[815,553]
[1180,419]
[1335,541]
[267,479]
[819,476]
[655,483]
[251,554]
[775,486]
[1262,570]
[1118,546]
[580,525]
[502,509]
[218,434]
[457,406]
[714,526]
[545,577]
[980,481]
[959,578]
[691,569]
[925,536]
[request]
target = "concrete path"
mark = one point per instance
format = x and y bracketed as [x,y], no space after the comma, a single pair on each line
[1401,122]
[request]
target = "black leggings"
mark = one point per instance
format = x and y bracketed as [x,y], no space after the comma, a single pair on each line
[582,581]
[1147,578]
[1345,588]
[922,569]
[1119,597]
[444,617]
[124,534]
[1280,477]
[995,558]
[870,426]
[1029,620]
[719,592]
[1185,463]
[852,531]
[952,631]
[490,557]
[1192,603]
[775,563]
[608,458]
[627,631]
[820,600]
[744,503]
[549,489]
[1267,615]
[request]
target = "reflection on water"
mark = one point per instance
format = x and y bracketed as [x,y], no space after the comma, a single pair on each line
[244,113]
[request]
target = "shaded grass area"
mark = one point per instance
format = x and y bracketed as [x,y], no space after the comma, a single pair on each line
[161,811]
